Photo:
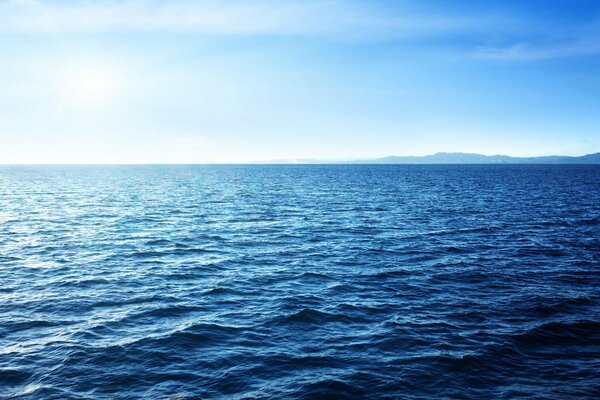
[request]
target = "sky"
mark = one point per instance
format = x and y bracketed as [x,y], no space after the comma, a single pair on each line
[241,81]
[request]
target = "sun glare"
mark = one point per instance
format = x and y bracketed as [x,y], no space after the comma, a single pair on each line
[91,84]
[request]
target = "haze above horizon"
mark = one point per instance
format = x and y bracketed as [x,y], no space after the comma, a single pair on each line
[240,81]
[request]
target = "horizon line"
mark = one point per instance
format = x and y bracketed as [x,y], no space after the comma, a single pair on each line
[309,161]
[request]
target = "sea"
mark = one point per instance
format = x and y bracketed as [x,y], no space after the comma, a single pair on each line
[325,282]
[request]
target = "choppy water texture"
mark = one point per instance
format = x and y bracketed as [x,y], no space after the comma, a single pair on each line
[300,282]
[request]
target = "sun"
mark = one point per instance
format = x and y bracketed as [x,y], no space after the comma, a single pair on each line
[91,84]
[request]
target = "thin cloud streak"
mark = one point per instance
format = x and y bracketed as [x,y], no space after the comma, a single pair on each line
[532,52]
[257,17]
[581,42]
[335,19]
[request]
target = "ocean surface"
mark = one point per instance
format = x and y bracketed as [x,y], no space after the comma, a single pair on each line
[300,282]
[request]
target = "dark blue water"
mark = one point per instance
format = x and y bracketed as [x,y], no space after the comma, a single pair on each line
[300,282]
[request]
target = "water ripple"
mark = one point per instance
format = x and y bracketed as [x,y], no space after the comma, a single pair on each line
[299,282]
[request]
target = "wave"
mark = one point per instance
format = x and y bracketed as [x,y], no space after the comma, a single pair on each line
[133,300]
[220,291]
[313,275]
[12,376]
[313,316]
[579,333]
[170,311]
[196,335]
[17,326]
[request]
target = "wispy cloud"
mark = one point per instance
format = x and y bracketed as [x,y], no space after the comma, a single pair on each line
[260,17]
[536,52]
[523,37]
[557,43]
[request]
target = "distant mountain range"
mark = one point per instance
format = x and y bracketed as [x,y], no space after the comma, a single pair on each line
[458,158]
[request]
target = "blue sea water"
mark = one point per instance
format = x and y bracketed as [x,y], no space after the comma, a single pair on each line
[300,282]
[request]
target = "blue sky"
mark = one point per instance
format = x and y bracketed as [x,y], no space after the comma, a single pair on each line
[237,81]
